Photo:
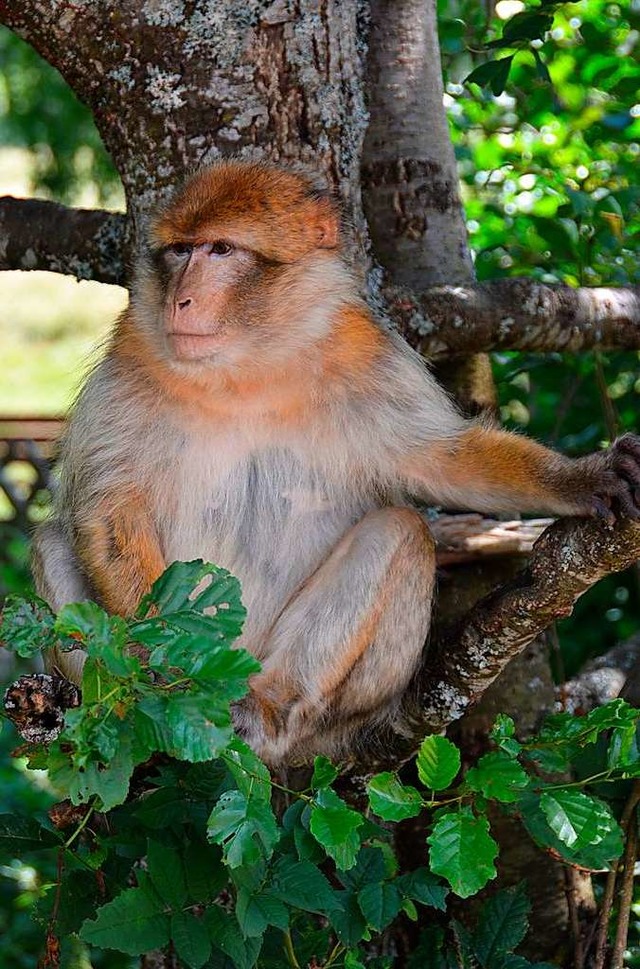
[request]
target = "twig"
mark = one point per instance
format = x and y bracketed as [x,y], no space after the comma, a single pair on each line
[574,918]
[609,891]
[625,895]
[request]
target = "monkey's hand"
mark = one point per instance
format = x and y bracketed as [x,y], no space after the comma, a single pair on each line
[610,480]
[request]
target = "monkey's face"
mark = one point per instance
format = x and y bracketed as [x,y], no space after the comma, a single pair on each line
[244,268]
[212,291]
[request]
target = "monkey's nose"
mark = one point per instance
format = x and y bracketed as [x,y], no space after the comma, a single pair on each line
[183,303]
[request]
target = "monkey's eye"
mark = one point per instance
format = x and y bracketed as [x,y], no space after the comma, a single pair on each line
[220,248]
[180,249]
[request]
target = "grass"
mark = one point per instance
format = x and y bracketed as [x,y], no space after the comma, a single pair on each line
[51,329]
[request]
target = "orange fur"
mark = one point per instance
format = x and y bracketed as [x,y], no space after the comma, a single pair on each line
[354,344]
[347,354]
[120,551]
[489,460]
[279,214]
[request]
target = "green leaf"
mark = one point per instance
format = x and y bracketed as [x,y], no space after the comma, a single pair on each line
[423,887]
[213,665]
[256,910]
[19,834]
[392,800]
[251,775]
[463,851]
[296,822]
[438,762]
[195,587]
[499,776]
[161,808]
[575,818]
[324,773]
[464,945]
[195,735]
[134,923]
[246,829]
[335,827]
[501,926]
[433,952]
[109,782]
[601,855]
[370,866]
[616,713]
[379,902]
[167,874]
[190,938]
[494,73]
[205,874]
[224,935]
[527,25]
[302,885]
[347,920]
[623,753]
[503,734]
[352,960]
[103,636]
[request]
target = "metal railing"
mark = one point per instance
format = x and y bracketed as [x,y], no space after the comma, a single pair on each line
[27,446]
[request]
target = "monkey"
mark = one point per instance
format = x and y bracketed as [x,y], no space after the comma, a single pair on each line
[251,411]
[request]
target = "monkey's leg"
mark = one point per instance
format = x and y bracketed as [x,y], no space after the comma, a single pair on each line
[58,577]
[346,645]
[119,548]
[59,580]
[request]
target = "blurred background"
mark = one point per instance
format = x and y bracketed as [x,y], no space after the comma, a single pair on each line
[549,170]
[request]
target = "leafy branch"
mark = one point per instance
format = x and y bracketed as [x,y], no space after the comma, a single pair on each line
[218,863]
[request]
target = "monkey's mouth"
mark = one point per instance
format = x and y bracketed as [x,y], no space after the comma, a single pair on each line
[195,346]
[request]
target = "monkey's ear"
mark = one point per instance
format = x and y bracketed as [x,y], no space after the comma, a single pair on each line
[327,224]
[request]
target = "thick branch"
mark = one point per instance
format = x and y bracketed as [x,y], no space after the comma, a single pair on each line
[568,559]
[86,243]
[515,314]
[603,679]
[444,321]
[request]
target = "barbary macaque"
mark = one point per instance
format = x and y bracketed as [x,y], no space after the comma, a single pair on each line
[251,412]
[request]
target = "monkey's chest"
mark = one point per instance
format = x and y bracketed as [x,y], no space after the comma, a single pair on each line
[270,518]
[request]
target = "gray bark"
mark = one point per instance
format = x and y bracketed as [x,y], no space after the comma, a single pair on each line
[409,174]
[174,85]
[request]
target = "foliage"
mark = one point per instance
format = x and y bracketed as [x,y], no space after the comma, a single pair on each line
[179,835]
[38,111]
[549,180]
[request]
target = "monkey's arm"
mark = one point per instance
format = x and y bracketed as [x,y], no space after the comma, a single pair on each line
[118,548]
[495,471]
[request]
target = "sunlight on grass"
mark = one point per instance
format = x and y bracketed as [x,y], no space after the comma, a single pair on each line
[51,328]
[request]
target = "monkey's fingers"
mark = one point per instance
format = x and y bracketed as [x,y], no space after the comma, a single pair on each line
[616,488]
[601,506]
[625,455]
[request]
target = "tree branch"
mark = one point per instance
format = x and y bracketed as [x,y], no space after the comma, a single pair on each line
[570,557]
[515,314]
[86,243]
[506,314]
